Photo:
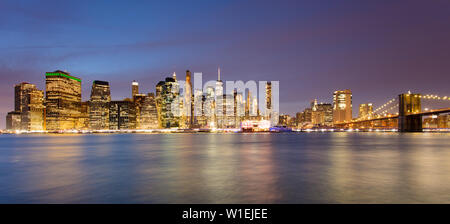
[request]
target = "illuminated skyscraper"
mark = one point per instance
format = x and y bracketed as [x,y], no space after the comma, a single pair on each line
[321,114]
[99,105]
[84,119]
[239,108]
[247,105]
[169,102]
[122,115]
[62,100]
[29,103]
[148,115]
[219,85]
[158,97]
[342,106]
[209,107]
[188,110]
[13,121]
[20,93]
[254,112]
[219,100]
[33,111]
[199,119]
[134,88]
[268,112]
[365,111]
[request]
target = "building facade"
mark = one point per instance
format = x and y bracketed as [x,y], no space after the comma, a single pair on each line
[365,111]
[29,106]
[62,100]
[342,106]
[122,115]
[99,105]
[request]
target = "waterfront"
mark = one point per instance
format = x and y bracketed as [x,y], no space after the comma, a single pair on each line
[226,168]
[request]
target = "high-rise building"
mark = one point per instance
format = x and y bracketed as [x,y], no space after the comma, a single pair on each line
[225,118]
[99,105]
[84,119]
[365,111]
[33,111]
[29,103]
[219,85]
[13,121]
[188,98]
[268,112]
[304,119]
[342,106]
[321,114]
[122,115]
[62,100]
[134,88]
[284,120]
[20,93]
[239,108]
[148,115]
[169,102]
[219,100]
[209,107]
[254,112]
[247,105]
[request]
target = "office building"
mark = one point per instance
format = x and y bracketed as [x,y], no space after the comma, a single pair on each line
[122,115]
[99,105]
[168,102]
[13,121]
[62,100]
[342,106]
[365,111]
[148,115]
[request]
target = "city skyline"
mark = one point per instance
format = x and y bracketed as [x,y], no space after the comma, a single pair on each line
[308,46]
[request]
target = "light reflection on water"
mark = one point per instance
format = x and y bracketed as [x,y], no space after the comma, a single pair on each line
[226,168]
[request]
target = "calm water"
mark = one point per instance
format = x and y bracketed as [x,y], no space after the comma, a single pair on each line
[226,168]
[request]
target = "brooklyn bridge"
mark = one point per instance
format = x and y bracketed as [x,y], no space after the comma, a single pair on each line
[404,113]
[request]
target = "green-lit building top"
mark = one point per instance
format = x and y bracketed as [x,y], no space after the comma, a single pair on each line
[62,74]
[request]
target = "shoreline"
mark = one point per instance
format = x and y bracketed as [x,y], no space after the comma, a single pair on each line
[226,131]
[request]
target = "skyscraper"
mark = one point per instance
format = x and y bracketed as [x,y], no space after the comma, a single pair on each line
[268,112]
[365,111]
[342,106]
[168,101]
[32,118]
[20,92]
[188,109]
[209,107]
[13,121]
[29,104]
[134,88]
[219,103]
[99,105]
[62,100]
[148,115]
[122,115]
[321,114]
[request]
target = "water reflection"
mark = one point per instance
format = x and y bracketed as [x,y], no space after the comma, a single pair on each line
[226,168]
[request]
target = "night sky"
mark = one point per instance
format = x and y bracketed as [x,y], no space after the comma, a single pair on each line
[377,49]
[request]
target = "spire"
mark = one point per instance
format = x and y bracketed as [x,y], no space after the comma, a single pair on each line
[218,74]
[174,76]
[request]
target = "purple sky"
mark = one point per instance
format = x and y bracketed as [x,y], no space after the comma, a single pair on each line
[377,49]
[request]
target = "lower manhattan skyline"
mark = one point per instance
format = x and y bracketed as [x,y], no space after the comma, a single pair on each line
[312,48]
[225,111]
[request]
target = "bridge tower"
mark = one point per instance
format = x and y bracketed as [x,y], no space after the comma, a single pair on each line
[409,106]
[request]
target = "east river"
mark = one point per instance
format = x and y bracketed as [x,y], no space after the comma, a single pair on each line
[226,168]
